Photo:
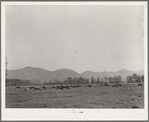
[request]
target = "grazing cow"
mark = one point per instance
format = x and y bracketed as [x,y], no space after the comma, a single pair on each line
[88,86]
[115,85]
[26,89]
[74,86]
[18,87]
[53,87]
[106,84]
[59,87]
[140,84]
[66,87]
[94,84]
[37,88]
[43,87]
[31,87]
[79,85]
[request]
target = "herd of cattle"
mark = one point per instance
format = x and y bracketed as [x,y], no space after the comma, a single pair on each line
[33,87]
[68,87]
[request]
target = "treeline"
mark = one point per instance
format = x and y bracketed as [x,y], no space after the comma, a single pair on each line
[69,80]
[116,79]
[135,78]
[16,82]
[81,80]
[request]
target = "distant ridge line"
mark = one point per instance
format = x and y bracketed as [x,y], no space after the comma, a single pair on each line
[75,71]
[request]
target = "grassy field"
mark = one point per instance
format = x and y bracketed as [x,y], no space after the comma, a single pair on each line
[83,97]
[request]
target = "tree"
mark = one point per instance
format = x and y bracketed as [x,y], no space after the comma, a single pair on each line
[119,79]
[134,77]
[69,79]
[98,80]
[110,79]
[56,81]
[92,80]
[105,79]
[142,78]
[50,82]
[87,81]
[128,79]
[101,81]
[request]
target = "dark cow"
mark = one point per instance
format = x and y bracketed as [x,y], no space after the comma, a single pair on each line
[59,87]
[140,84]
[79,85]
[66,87]
[37,88]
[43,87]
[17,86]
[26,89]
[74,86]
[53,87]
[88,85]
[31,87]
[106,84]
[115,85]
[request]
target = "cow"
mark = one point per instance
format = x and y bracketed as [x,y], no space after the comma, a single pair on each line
[66,87]
[17,86]
[79,85]
[31,87]
[37,88]
[115,85]
[43,87]
[140,84]
[53,87]
[88,86]
[74,86]
[94,84]
[59,87]
[26,89]
[106,84]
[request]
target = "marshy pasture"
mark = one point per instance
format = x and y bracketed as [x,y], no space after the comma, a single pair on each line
[127,96]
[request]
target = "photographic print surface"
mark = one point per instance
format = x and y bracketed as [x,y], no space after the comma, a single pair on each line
[74,56]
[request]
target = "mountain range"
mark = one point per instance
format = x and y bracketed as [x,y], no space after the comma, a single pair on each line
[39,75]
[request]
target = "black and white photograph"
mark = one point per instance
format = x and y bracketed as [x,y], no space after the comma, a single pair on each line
[75,56]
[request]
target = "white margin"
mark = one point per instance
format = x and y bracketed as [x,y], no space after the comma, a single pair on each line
[65,114]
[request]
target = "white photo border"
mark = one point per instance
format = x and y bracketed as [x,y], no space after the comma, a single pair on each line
[66,114]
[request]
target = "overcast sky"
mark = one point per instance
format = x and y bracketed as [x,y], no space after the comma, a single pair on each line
[81,38]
